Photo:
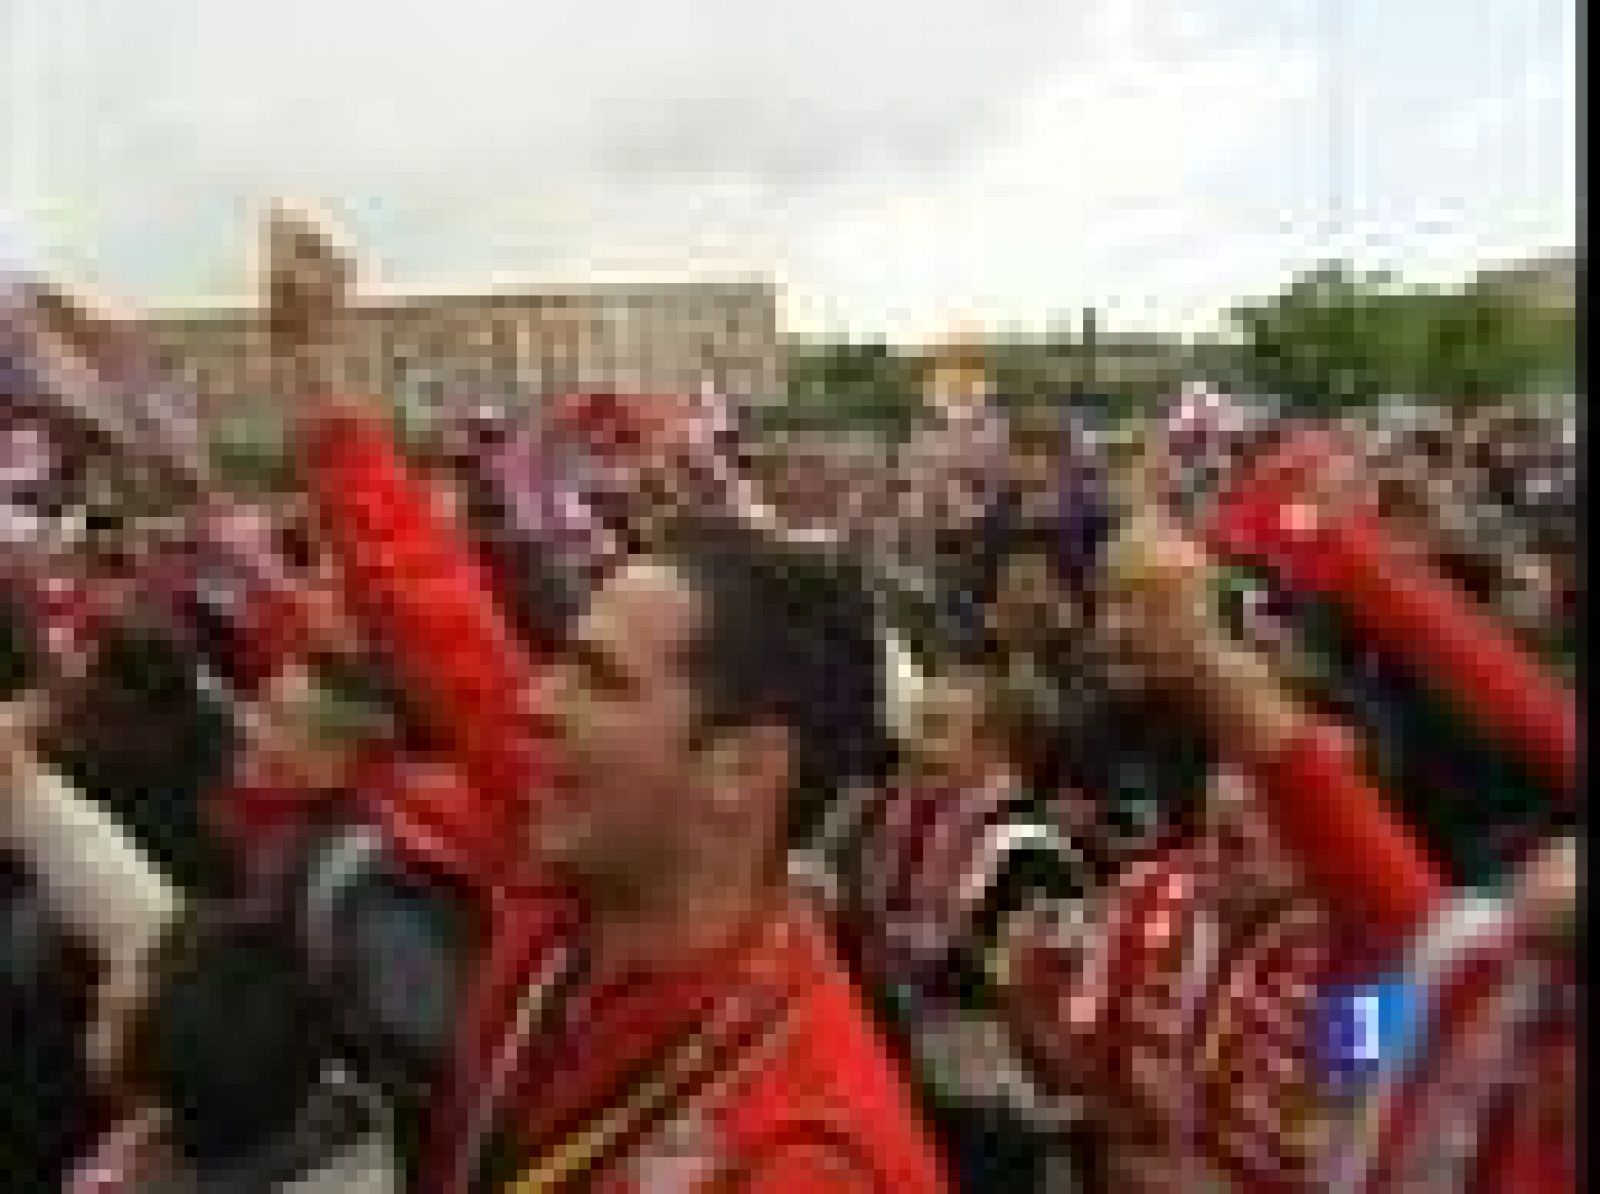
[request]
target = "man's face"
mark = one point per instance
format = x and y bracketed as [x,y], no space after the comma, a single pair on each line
[1029,602]
[1035,469]
[949,740]
[957,396]
[626,703]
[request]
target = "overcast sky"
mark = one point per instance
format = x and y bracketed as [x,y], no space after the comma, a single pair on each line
[899,165]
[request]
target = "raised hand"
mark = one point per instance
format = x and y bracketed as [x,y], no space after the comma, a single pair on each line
[20,719]
[1157,585]
[1547,888]
[307,279]
[1159,614]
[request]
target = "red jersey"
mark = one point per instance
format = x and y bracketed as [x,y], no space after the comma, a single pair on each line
[763,1055]
[752,1068]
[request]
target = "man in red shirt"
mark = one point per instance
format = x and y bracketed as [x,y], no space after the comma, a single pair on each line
[683,1018]
[701,1025]
[683,1023]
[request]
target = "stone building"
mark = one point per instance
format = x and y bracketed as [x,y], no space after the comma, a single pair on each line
[511,347]
[1551,282]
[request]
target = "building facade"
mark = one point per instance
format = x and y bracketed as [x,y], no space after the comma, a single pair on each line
[512,348]
[1551,282]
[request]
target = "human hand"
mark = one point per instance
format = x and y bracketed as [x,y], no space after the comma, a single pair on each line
[1159,615]
[20,720]
[307,279]
[1157,611]
[1547,889]
[307,283]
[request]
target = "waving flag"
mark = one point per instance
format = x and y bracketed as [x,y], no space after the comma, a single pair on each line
[86,372]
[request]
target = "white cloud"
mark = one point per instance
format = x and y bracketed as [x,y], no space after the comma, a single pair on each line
[899,164]
[1101,180]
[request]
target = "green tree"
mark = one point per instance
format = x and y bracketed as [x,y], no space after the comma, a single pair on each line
[849,385]
[1335,336]
[1486,345]
[1318,343]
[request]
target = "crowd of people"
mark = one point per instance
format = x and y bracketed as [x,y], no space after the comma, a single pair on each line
[604,800]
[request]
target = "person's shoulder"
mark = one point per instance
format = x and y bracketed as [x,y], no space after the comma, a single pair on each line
[807,1165]
[832,1093]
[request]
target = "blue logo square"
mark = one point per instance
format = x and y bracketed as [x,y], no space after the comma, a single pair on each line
[1362,1030]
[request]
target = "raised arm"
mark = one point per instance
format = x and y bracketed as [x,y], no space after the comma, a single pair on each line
[104,889]
[412,578]
[1285,515]
[1326,812]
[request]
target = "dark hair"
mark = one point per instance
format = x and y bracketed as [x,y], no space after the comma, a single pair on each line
[296,545]
[19,647]
[46,1116]
[1138,757]
[790,636]
[1023,720]
[235,1041]
[1038,429]
[541,596]
[145,737]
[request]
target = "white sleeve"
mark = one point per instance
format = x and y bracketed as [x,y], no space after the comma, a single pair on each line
[98,882]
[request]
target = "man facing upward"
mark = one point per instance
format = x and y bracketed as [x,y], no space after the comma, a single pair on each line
[704,1036]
